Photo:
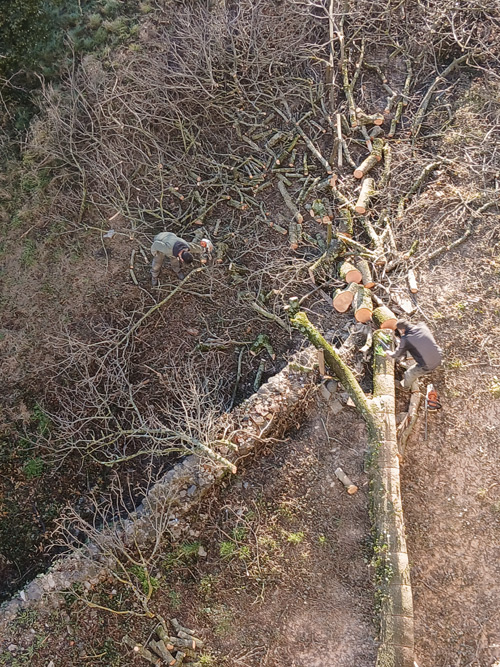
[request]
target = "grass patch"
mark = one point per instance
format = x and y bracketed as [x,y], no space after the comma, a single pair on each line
[295,538]
[494,387]
[34,468]
[28,256]
[184,554]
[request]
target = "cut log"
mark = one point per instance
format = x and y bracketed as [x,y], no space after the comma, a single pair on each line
[143,652]
[412,281]
[345,225]
[350,273]
[367,139]
[160,649]
[369,119]
[363,307]
[351,488]
[366,273]
[367,190]
[198,642]
[294,232]
[182,643]
[179,658]
[373,159]
[384,318]
[342,299]
[181,628]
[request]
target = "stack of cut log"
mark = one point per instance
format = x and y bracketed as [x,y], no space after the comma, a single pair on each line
[358,295]
[173,650]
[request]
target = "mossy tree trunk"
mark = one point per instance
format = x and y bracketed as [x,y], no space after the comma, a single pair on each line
[392,576]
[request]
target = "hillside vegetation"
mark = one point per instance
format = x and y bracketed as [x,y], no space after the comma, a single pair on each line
[219,119]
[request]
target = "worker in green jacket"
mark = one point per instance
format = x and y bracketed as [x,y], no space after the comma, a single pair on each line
[180,252]
[167,244]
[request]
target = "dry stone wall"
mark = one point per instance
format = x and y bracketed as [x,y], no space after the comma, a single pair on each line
[279,403]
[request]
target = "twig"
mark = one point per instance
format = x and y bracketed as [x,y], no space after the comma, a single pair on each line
[450,246]
[422,109]
[339,139]
[404,100]
[313,149]
[270,316]
[428,169]
[158,305]
[288,201]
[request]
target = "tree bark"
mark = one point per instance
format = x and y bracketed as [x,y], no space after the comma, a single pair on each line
[367,190]
[384,318]
[350,273]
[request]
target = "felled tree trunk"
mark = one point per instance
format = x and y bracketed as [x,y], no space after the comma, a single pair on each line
[392,574]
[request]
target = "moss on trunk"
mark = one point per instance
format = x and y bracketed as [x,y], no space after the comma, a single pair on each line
[390,558]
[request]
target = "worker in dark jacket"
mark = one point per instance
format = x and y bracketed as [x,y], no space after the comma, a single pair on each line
[419,342]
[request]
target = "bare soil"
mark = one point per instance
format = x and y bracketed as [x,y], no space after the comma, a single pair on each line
[451,481]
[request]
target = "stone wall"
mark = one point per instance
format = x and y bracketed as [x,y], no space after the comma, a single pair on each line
[268,413]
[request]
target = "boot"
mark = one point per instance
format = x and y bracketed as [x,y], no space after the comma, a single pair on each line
[154,281]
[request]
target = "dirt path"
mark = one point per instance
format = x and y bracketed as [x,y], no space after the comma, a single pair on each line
[296,588]
[451,482]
